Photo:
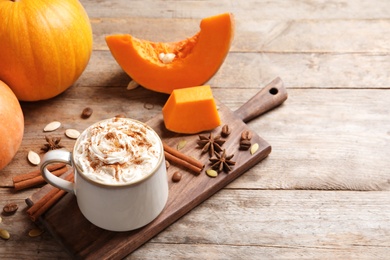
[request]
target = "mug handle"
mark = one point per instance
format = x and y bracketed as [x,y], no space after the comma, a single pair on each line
[56,156]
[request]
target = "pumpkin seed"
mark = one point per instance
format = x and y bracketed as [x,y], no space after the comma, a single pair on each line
[181,144]
[4,234]
[132,85]
[254,148]
[35,232]
[212,173]
[148,106]
[166,57]
[72,133]
[52,126]
[33,158]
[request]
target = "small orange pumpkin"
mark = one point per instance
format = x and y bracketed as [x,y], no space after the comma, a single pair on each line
[163,67]
[11,126]
[45,45]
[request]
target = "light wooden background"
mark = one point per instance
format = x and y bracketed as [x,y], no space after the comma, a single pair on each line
[324,191]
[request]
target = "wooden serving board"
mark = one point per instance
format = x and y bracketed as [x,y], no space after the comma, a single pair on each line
[84,240]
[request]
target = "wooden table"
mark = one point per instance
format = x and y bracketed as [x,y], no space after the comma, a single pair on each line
[324,190]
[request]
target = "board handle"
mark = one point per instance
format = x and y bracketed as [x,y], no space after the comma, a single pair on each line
[271,96]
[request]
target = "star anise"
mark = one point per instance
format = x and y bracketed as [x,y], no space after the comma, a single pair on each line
[222,162]
[210,144]
[52,144]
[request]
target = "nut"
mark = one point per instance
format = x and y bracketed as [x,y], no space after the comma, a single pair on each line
[245,144]
[225,131]
[246,135]
[87,112]
[176,177]
[10,208]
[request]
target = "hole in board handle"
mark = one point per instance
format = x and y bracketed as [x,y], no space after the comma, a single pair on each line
[273,91]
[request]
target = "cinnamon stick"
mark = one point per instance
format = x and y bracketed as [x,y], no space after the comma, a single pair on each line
[182,156]
[32,179]
[42,205]
[35,173]
[181,162]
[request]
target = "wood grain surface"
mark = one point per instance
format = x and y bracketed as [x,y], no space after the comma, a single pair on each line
[323,191]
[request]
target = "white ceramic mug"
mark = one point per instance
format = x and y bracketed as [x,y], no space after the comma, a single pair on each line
[113,206]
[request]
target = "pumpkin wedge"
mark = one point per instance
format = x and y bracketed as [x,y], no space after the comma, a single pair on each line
[163,67]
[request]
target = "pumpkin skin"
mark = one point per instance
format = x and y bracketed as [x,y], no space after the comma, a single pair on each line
[12,125]
[196,60]
[45,45]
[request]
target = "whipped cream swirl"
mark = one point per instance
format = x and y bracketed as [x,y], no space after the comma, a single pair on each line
[117,151]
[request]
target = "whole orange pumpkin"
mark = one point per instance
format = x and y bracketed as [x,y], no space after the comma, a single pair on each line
[11,126]
[45,45]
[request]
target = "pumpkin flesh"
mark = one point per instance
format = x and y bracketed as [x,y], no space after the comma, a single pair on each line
[45,45]
[191,110]
[196,60]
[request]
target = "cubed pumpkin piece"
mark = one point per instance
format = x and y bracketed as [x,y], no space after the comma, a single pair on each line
[191,110]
